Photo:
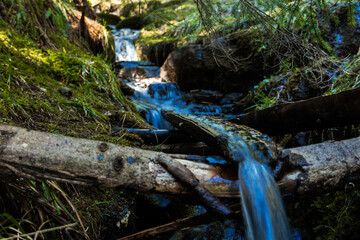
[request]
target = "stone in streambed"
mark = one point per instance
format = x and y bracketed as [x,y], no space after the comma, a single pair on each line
[139,72]
[199,67]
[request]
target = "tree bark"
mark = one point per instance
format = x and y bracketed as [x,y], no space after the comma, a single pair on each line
[314,169]
[158,136]
[184,175]
[40,155]
[316,113]
[322,167]
[197,148]
[217,139]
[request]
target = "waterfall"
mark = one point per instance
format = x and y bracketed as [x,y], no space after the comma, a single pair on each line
[263,211]
[124,47]
[262,206]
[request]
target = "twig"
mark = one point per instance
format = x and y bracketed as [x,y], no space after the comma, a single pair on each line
[204,218]
[42,231]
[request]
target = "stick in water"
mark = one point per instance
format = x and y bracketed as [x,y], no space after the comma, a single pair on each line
[184,175]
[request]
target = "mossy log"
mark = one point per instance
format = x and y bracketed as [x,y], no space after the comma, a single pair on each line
[316,113]
[38,155]
[206,130]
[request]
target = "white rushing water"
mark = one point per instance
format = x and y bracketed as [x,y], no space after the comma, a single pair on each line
[263,211]
[262,205]
[124,46]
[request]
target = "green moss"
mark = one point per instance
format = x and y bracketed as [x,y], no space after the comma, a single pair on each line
[135,22]
[109,19]
[335,216]
[348,79]
[30,78]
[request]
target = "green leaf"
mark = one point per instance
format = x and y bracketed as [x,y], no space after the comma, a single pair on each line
[48,13]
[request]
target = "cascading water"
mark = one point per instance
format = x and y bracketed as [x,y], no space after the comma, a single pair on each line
[124,47]
[263,210]
[262,206]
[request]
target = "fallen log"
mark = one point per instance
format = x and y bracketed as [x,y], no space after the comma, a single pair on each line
[214,160]
[155,137]
[197,148]
[217,138]
[37,155]
[316,113]
[322,167]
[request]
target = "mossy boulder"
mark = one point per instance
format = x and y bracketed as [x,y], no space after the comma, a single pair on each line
[156,52]
[135,22]
[110,19]
[203,67]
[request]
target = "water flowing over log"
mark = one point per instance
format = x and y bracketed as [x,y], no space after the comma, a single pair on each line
[38,155]
[316,113]
[217,140]
[200,130]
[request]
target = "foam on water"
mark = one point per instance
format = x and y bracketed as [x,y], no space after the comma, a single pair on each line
[124,47]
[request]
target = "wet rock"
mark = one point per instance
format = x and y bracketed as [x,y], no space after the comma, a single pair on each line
[201,96]
[65,91]
[156,52]
[110,19]
[163,90]
[127,64]
[128,91]
[231,98]
[194,67]
[301,138]
[139,72]
[187,67]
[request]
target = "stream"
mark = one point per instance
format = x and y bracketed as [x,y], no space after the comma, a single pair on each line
[263,211]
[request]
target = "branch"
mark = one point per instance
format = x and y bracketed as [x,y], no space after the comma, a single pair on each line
[184,175]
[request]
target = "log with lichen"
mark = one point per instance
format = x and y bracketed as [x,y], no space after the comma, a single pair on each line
[206,129]
[38,155]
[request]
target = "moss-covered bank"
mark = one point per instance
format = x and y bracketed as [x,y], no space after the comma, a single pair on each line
[51,80]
